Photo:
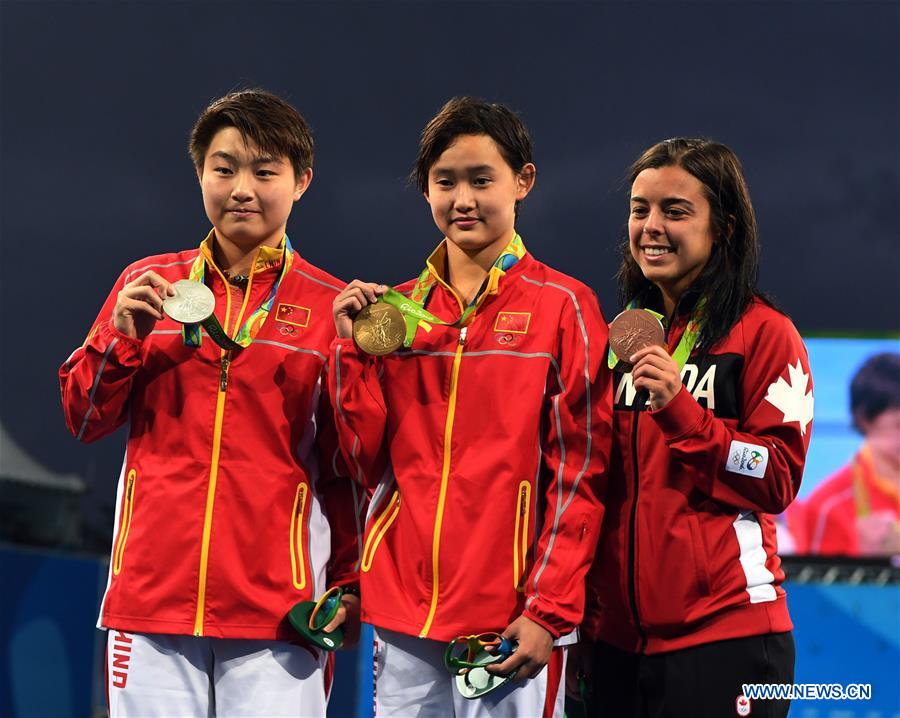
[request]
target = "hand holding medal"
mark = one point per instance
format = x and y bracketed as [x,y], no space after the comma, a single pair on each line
[376,328]
[638,337]
[139,304]
[381,319]
[633,330]
[193,304]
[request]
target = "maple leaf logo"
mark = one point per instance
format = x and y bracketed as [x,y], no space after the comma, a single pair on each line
[791,397]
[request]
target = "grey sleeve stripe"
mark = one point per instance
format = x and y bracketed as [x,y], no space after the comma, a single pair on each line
[269,342]
[489,352]
[359,529]
[354,450]
[158,266]
[318,281]
[94,388]
[561,505]
[302,350]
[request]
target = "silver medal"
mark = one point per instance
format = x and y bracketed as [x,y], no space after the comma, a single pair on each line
[193,302]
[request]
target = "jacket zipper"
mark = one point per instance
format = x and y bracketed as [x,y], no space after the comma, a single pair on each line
[225,363]
[124,522]
[445,474]
[379,528]
[632,534]
[632,529]
[520,548]
[298,563]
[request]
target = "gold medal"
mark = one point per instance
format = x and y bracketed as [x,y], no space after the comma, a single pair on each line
[633,330]
[379,329]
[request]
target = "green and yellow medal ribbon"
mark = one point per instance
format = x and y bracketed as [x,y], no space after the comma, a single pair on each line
[687,342]
[191,332]
[412,308]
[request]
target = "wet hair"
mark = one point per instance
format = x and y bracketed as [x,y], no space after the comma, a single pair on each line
[729,279]
[271,123]
[472,116]
[875,388]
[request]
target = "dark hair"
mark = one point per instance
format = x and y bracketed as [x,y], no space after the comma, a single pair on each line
[728,281]
[875,388]
[271,123]
[472,116]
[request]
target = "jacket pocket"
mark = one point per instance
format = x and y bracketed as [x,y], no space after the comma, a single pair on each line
[298,521]
[700,556]
[379,528]
[520,539]
[124,522]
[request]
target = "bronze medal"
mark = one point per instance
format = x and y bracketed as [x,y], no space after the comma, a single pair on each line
[633,330]
[379,329]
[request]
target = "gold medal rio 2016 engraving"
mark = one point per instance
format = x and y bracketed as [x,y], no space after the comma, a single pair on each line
[379,329]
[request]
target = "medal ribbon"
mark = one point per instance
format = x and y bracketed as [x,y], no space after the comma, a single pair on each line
[687,342]
[191,332]
[413,310]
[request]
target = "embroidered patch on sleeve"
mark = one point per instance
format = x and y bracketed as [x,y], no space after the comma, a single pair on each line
[791,397]
[747,459]
[293,314]
[513,322]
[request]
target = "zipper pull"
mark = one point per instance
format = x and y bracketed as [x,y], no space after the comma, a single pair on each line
[524,501]
[462,335]
[223,377]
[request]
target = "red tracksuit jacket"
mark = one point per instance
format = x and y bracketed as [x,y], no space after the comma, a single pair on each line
[687,553]
[229,506]
[488,446]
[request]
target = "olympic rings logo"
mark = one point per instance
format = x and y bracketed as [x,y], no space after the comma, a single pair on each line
[506,339]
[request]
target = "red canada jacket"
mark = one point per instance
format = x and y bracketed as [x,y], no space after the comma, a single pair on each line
[230,505]
[688,554]
[488,446]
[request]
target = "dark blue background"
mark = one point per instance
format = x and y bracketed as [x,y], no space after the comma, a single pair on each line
[98,99]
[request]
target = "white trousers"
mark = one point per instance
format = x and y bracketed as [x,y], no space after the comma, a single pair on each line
[412,682]
[171,676]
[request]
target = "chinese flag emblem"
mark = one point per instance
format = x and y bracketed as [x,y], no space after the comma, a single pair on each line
[512,322]
[293,314]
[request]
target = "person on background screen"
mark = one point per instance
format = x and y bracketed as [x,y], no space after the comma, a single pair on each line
[486,438]
[856,511]
[710,437]
[230,504]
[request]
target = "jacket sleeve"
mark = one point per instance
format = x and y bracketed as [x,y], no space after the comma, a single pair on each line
[576,447]
[343,500]
[360,415]
[95,381]
[758,464]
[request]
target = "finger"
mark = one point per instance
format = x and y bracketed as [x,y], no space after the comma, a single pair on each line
[355,293]
[338,619]
[350,306]
[512,663]
[646,351]
[145,294]
[133,307]
[368,288]
[648,372]
[664,362]
[151,278]
[164,285]
[529,670]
